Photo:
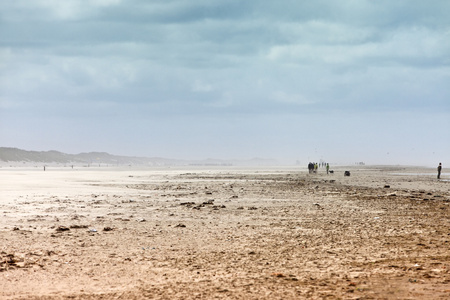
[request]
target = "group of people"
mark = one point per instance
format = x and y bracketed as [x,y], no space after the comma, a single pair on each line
[313,167]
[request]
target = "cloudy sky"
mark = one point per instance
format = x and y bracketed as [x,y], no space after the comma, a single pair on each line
[343,81]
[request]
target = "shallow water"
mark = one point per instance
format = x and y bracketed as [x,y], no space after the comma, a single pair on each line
[421,174]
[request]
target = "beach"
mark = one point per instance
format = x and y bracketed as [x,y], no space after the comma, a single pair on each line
[224,232]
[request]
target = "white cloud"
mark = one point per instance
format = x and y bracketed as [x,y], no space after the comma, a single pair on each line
[201,87]
[284,97]
[73,9]
[413,46]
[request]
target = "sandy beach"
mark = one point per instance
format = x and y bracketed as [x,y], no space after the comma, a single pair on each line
[224,233]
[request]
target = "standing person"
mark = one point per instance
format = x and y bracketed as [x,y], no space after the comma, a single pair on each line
[328,167]
[439,169]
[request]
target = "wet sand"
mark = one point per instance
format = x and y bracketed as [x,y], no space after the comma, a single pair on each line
[224,233]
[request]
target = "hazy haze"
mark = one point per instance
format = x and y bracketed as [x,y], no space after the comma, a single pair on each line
[342,81]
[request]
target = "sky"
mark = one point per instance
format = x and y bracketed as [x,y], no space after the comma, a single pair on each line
[339,81]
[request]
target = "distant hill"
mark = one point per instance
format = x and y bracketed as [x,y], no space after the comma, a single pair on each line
[51,157]
[15,156]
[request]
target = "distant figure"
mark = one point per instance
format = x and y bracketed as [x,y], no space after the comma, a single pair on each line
[44,170]
[439,169]
[328,167]
[310,167]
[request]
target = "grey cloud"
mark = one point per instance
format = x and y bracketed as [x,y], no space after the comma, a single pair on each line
[199,59]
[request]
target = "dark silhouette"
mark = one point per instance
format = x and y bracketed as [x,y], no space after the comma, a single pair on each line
[310,167]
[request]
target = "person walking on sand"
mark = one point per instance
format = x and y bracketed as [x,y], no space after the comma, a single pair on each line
[439,169]
[328,167]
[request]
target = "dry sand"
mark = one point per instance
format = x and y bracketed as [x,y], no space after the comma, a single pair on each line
[224,233]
